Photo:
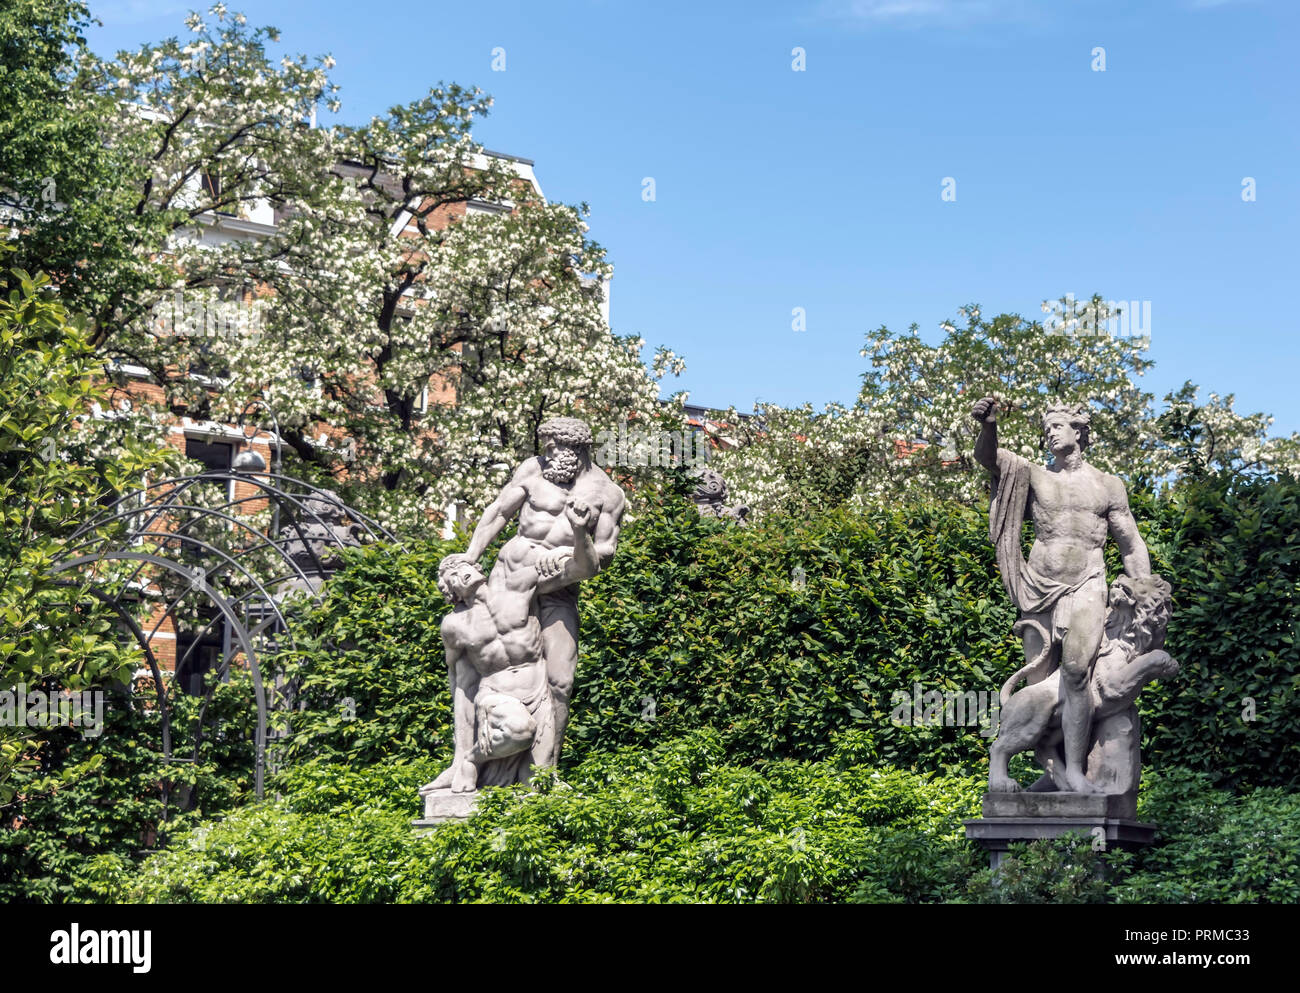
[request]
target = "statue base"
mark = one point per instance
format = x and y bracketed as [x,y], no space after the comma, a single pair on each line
[1014,817]
[444,805]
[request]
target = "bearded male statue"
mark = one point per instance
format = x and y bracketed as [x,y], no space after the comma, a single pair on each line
[537,495]
[502,711]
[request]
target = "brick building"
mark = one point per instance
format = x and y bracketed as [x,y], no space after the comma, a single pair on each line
[217,445]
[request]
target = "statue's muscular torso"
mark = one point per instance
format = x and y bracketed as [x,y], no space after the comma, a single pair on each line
[542,523]
[500,638]
[1071,511]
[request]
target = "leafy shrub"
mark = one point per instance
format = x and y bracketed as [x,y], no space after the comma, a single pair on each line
[1058,870]
[53,471]
[1214,846]
[674,824]
[678,824]
[917,867]
[1211,847]
[131,799]
[322,788]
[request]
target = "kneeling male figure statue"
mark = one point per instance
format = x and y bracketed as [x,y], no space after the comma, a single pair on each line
[503,712]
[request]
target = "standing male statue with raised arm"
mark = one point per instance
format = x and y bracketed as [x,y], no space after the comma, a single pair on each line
[538,493]
[1061,589]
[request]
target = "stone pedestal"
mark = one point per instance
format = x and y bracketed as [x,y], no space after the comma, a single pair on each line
[1013,817]
[444,805]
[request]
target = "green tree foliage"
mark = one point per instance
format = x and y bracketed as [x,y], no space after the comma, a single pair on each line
[65,191]
[197,177]
[53,636]
[909,436]
[43,141]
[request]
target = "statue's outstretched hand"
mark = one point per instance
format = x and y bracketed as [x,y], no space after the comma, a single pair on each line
[985,410]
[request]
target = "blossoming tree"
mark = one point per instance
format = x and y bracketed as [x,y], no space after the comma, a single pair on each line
[408,310]
[909,435]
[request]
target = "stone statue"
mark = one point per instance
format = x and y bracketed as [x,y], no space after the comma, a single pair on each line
[538,494]
[315,546]
[710,497]
[1087,654]
[503,709]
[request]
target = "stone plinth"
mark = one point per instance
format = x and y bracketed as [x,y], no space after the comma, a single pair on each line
[1023,817]
[1114,806]
[444,805]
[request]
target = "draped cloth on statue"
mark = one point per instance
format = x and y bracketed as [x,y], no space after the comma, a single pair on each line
[515,768]
[1029,589]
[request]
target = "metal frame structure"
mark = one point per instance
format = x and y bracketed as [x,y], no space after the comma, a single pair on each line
[162,518]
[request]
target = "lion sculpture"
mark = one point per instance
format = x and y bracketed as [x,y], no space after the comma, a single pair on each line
[1132,654]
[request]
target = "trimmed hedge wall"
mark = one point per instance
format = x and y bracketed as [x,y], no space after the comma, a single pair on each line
[791,639]
[1234,708]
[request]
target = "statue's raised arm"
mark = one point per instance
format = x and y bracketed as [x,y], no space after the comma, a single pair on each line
[986,445]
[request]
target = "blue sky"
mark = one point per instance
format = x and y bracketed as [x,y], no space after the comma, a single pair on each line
[820,189]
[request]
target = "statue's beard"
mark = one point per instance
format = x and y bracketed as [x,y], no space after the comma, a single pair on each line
[563,466]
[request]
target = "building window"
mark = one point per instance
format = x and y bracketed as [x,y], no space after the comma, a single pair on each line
[212,184]
[197,657]
[215,456]
[212,189]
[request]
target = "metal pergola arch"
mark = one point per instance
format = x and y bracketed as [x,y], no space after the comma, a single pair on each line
[160,515]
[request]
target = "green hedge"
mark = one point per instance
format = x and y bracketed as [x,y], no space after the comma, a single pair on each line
[369,675]
[696,624]
[791,637]
[1234,561]
[678,824]
[784,637]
